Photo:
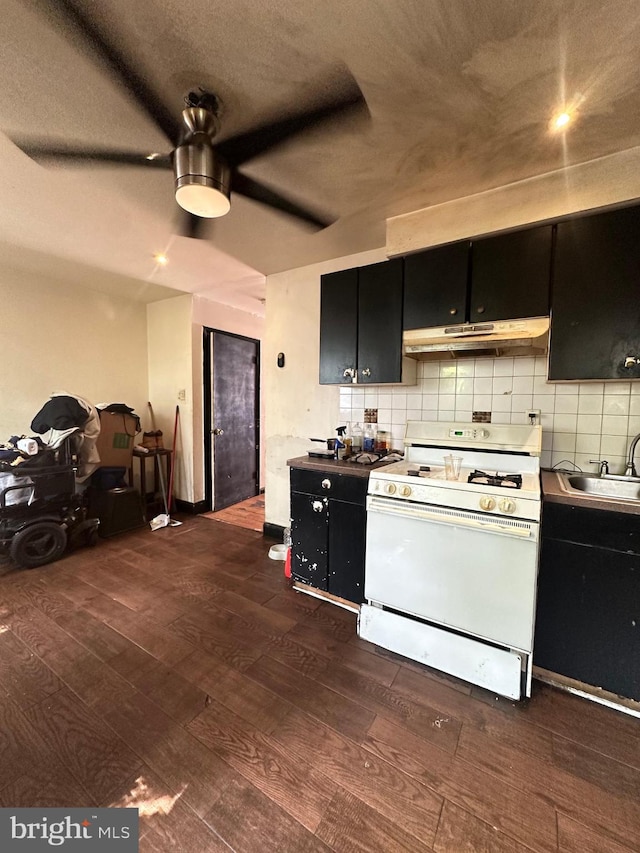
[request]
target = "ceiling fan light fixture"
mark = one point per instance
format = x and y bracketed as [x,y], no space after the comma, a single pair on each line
[202,200]
[202,180]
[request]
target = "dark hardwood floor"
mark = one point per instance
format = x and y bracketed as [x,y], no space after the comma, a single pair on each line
[176,671]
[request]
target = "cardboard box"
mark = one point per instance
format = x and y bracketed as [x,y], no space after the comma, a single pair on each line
[116,439]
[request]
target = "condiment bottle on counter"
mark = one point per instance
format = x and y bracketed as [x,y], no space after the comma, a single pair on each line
[356,438]
[383,441]
[348,442]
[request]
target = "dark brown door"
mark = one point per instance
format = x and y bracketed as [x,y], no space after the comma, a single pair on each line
[234,420]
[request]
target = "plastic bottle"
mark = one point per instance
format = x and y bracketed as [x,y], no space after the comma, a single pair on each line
[348,442]
[340,443]
[369,438]
[356,438]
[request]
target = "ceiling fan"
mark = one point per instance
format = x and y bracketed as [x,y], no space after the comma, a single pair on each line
[206,172]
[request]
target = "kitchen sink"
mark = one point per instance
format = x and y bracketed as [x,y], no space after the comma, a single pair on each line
[608,486]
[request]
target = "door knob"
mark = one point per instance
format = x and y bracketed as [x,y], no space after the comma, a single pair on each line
[217,431]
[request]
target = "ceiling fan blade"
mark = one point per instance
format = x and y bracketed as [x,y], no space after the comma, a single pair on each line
[90,156]
[144,96]
[250,188]
[245,146]
[189,225]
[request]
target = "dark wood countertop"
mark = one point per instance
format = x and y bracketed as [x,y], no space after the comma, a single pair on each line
[333,466]
[552,491]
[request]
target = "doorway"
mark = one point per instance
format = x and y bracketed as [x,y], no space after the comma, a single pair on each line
[231,372]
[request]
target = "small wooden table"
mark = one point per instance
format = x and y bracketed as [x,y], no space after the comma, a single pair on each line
[156,454]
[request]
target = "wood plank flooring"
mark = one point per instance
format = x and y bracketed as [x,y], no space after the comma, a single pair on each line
[178,672]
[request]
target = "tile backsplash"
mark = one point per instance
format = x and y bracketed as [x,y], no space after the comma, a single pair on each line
[580,421]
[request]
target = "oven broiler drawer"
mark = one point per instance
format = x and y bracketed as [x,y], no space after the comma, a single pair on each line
[500,670]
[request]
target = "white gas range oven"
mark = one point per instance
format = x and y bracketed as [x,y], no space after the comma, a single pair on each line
[451,565]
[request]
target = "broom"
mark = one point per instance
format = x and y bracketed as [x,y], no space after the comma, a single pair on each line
[164,519]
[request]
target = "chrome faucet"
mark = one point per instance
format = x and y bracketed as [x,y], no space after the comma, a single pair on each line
[604,465]
[630,470]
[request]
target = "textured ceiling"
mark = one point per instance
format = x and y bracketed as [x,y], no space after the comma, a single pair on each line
[460,94]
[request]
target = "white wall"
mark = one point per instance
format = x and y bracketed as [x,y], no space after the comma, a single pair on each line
[57,336]
[170,357]
[297,407]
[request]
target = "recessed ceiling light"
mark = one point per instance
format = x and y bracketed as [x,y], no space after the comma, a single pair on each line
[161,260]
[562,120]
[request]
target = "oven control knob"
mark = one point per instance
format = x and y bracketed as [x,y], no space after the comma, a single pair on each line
[507,505]
[390,488]
[487,503]
[405,491]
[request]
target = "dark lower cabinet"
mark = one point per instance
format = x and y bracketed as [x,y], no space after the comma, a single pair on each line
[347,527]
[588,610]
[309,539]
[328,524]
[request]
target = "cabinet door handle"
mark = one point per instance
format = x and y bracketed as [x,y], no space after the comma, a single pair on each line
[366,372]
[326,484]
[631,361]
[453,311]
[349,372]
[317,506]
[480,309]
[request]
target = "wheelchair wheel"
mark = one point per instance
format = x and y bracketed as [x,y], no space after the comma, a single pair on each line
[40,543]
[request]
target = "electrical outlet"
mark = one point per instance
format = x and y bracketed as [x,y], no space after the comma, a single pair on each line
[533,415]
[182,394]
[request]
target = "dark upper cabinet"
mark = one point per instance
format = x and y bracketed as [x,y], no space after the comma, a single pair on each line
[435,286]
[505,277]
[361,324]
[595,325]
[338,325]
[510,275]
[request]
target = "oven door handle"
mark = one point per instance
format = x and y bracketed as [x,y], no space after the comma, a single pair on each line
[460,518]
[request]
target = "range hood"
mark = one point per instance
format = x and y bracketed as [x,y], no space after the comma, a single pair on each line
[471,340]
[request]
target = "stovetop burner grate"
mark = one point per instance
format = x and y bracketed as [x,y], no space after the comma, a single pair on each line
[510,481]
